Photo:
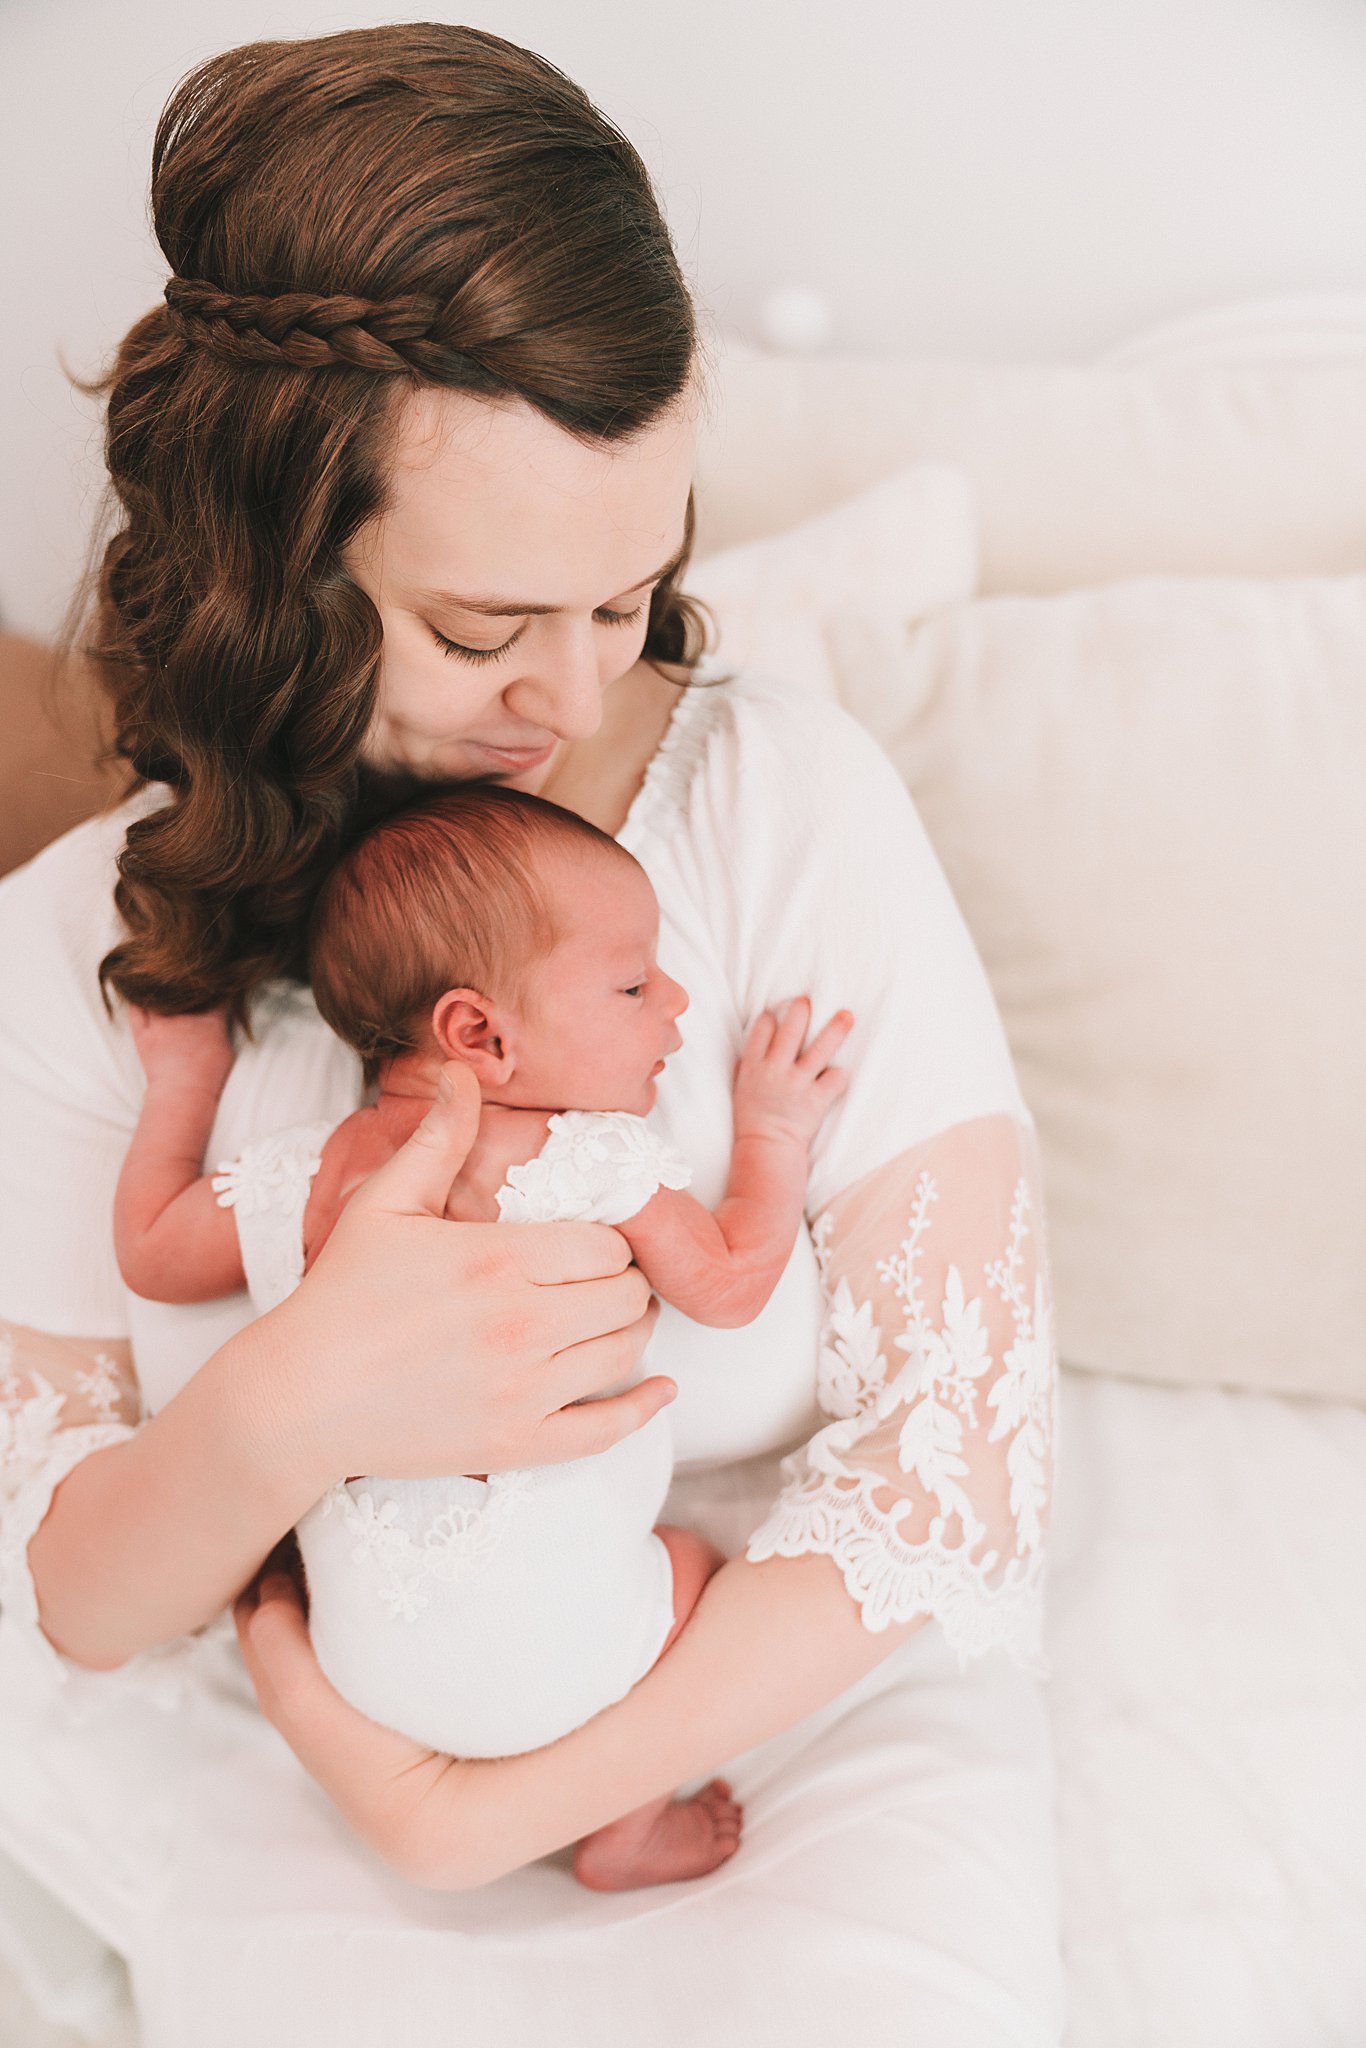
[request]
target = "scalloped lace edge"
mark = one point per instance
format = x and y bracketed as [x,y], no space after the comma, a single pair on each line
[892,1581]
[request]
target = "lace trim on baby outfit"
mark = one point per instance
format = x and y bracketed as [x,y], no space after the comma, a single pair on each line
[268,1186]
[956,1441]
[595,1164]
[456,1543]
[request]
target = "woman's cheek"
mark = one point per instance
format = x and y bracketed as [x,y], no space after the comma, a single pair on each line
[622,651]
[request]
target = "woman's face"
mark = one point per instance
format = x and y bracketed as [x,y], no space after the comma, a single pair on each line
[512,574]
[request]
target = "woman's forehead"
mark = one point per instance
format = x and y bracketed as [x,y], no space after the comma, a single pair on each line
[492,501]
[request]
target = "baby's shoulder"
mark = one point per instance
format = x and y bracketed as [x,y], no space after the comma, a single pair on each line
[507,1138]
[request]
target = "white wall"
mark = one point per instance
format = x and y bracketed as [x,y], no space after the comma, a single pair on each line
[990,178]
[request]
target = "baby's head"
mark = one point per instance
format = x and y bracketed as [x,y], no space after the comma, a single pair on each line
[486,925]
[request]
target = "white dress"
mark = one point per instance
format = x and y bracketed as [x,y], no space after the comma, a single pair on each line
[892,1408]
[483,1617]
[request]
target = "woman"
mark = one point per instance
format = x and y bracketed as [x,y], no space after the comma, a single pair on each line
[404,470]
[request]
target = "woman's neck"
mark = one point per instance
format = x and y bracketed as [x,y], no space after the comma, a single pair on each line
[599,777]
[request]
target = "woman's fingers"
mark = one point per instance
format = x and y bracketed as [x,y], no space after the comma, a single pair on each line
[276,1650]
[580,1311]
[417,1180]
[587,1366]
[585,1431]
[550,1253]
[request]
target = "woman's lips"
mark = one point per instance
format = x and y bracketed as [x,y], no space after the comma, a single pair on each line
[518,758]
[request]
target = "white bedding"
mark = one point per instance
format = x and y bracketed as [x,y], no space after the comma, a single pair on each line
[1207,1629]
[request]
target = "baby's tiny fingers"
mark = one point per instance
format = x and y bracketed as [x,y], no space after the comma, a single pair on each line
[827,1041]
[761,1036]
[787,1040]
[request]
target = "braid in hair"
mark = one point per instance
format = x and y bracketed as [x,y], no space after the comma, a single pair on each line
[307,331]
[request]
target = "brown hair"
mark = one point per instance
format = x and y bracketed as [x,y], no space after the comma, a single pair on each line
[450,892]
[344,217]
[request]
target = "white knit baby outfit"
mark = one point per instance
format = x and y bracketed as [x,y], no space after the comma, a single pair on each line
[484,1617]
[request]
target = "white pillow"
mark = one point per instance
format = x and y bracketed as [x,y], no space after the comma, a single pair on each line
[894,554]
[1150,800]
[1079,475]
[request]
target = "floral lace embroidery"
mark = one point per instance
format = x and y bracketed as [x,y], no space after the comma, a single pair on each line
[48,1385]
[268,1187]
[30,1421]
[456,1543]
[603,1165]
[903,1489]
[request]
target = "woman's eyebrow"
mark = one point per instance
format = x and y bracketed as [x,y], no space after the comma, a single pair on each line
[509,608]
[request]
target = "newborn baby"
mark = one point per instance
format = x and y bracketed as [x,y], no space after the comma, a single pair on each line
[489,1613]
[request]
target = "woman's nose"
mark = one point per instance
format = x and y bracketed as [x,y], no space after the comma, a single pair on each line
[564,691]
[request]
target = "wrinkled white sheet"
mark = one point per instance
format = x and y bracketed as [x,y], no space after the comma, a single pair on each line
[1207,1628]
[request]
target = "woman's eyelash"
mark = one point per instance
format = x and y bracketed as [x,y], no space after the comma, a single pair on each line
[477,654]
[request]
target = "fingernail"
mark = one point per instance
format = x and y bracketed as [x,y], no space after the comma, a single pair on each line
[444,1090]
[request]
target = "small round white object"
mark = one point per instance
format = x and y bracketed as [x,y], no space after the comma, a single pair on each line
[795,320]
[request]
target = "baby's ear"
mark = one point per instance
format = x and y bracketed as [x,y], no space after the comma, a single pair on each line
[470,1028]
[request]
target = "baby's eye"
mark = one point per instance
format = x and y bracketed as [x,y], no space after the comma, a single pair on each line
[638,990]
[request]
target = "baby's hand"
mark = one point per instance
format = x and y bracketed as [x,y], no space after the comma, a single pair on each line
[781,1091]
[195,1049]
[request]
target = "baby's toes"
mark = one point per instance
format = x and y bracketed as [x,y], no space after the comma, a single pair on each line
[726,1814]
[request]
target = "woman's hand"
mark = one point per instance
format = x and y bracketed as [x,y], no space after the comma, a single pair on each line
[378,1780]
[416,1346]
[765,1645]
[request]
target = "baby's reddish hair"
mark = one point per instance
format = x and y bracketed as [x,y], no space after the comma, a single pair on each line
[449,892]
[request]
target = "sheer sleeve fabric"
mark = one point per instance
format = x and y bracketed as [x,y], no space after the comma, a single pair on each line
[69,1091]
[60,1399]
[928,1483]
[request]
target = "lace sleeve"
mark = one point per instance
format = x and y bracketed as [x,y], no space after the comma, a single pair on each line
[929,1486]
[61,1398]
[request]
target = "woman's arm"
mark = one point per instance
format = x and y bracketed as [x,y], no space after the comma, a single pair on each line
[173,1241]
[925,1495]
[481,1354]
[720,1268]
[766,1645]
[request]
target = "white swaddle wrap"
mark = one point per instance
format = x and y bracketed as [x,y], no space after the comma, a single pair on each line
[484,1618]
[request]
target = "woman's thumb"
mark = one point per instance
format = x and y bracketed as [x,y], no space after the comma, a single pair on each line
[419,1175]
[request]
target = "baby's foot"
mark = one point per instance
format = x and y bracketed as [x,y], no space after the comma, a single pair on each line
[663,1842]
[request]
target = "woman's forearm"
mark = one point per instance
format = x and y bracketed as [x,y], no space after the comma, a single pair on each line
[152,1537]
[766,1645]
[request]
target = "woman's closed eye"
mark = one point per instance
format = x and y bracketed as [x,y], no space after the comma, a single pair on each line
[477,654]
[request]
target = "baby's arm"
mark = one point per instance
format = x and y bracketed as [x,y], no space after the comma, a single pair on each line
[173,1241]
[721,1268]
